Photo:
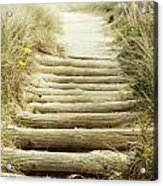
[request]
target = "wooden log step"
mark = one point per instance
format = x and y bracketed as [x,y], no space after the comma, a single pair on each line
[94,53]
[93,50]
[91,53]
[82,79]
[78,98]
[110,106]
[83,86]
[51,91]
[49,60]
[72,120]
[96,162]
[78,71]
[92,56]
[72,139]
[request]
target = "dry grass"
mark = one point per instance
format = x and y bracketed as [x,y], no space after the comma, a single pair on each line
[135,33]
[31,28]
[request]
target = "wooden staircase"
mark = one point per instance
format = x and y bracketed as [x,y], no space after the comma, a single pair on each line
[77,109]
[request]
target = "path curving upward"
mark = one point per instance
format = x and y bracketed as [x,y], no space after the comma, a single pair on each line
[76,108]
[83,36]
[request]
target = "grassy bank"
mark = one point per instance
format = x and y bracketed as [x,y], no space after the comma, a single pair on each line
[31,28]
[134,33]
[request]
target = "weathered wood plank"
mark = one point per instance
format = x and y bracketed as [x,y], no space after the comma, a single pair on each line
[71,120]
[96,162]
[30,97]
[110,106]
[80,78]
[48,60]
[77,71]
[95,55]
[51,91]
[83,86]
[72,139]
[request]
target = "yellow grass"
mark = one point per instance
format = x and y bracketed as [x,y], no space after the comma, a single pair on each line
[31,28]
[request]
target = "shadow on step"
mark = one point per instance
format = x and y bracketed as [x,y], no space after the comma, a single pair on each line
[64,175]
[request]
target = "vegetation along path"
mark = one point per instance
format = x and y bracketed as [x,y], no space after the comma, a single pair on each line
[79,109]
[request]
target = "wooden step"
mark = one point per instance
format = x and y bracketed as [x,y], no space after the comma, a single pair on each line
[95,53]
[97,45]
[83,86]
[78,71]
[71,120]
[30,97]
[94,50]
[84,56]
[51,91]
[81,79]
[72,139]
[96,162]
[49,60]
[111,106]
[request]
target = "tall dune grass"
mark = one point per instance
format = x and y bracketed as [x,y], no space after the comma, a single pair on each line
[135,31]
[30,28]
[136,34]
